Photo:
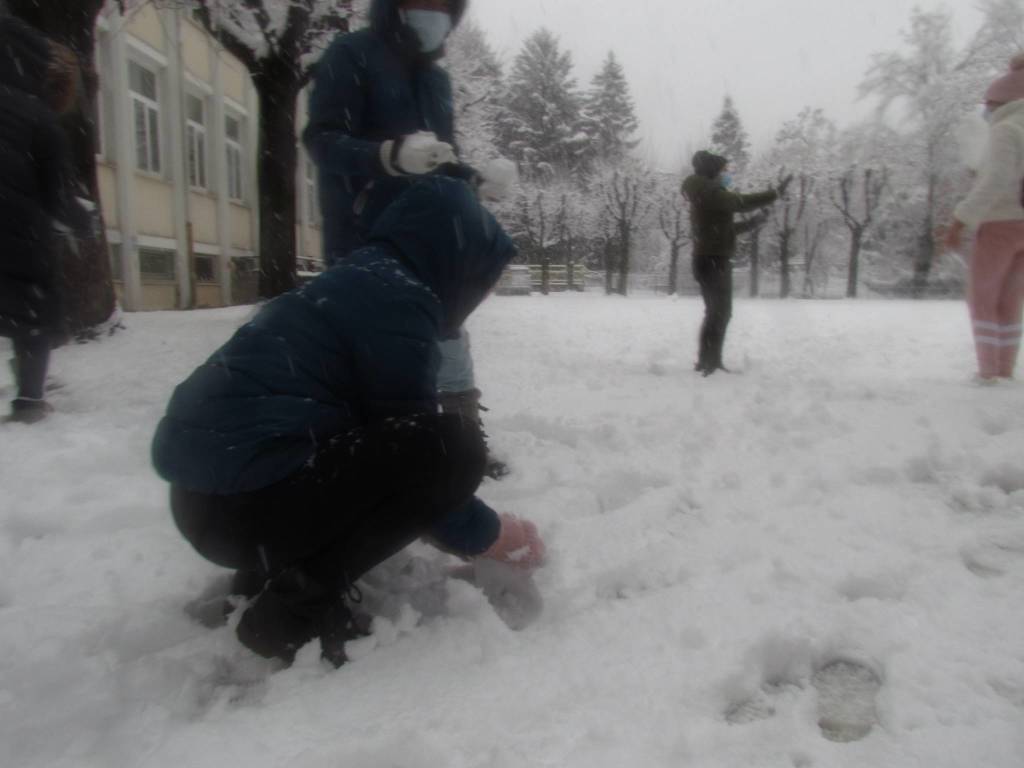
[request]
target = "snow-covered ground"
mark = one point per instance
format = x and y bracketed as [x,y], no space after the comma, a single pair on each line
[716,547]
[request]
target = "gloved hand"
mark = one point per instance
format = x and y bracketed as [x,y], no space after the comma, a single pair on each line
[518,544]
[497,179]
[415,154]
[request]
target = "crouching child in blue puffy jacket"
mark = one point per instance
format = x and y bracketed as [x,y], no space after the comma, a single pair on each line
[309,448]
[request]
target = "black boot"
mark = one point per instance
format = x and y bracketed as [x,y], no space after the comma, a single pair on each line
[337,627]
[293,610]
[285,616]
[25,410]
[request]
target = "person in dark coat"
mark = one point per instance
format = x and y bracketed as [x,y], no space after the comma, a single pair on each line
[381,116]
[38,81]
[309,448]
[712,208]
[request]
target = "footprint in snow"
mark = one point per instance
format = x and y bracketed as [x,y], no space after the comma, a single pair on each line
[846,700]
[760,706]
[995,557]
[210,607]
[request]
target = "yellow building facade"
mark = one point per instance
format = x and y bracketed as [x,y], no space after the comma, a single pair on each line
[177,136]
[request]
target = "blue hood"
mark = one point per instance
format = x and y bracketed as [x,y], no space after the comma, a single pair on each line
[385,22]
[453,245]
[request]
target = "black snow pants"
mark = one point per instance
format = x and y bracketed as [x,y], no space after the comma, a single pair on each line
[715,279]
[301,543]
[31,361]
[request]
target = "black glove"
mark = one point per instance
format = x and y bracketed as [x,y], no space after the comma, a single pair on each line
[462,172]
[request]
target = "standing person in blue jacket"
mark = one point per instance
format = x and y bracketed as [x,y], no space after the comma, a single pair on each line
[309,447]
[380,116]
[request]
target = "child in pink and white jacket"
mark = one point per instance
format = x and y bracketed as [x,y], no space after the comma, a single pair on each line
[994,211]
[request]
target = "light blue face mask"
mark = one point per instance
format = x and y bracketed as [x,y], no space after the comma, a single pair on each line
[725,179]
[986,114]
[431,27]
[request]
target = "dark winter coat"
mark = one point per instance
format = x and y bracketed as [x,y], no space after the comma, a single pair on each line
[355,345]
[371,86]
[34,172]
[712,208]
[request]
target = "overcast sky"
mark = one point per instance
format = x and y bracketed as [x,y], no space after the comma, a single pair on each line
[682,56]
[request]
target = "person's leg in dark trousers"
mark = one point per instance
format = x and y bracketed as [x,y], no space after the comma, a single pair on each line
[716,289]
[365,496]
[31,361]
[722,313]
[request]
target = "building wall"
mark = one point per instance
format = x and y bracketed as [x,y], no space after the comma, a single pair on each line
[108,193]
[154,206]
[203,215]
[201,236]
[145,25]
[196,52]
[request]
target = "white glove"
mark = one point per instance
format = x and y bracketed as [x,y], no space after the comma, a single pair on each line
[498,178]
[415,154]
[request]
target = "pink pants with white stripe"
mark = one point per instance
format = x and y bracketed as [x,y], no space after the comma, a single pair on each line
[995,295]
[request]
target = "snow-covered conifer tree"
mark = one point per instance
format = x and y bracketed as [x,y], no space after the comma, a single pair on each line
[729,138]
[540,124]
[478,87]
[609,117]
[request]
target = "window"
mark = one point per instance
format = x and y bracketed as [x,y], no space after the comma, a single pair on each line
[233,143]
[195,139]
[204,267]
[313,204]
[156,264]
[244,265]
[146,117]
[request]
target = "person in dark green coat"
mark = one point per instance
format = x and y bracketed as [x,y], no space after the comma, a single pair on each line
[712,208]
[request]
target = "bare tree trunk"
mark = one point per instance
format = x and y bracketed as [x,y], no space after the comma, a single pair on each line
[609,266]
[874,185]
[624,247]
[926,244]
[278,77]
[545,272]
[853,276]
[87,290]
[673,270]
[784,265]
[755,262]
[278,86]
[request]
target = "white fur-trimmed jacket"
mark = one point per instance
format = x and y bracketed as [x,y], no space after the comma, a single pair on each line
[996,195]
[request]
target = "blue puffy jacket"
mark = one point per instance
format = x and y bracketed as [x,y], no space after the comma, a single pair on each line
[371,86]
[355,345]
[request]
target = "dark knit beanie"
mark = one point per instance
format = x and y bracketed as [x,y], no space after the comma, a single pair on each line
[708,164]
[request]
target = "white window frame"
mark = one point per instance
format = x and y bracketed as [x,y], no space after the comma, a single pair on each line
[235,150]
[196,145]
[150,107]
